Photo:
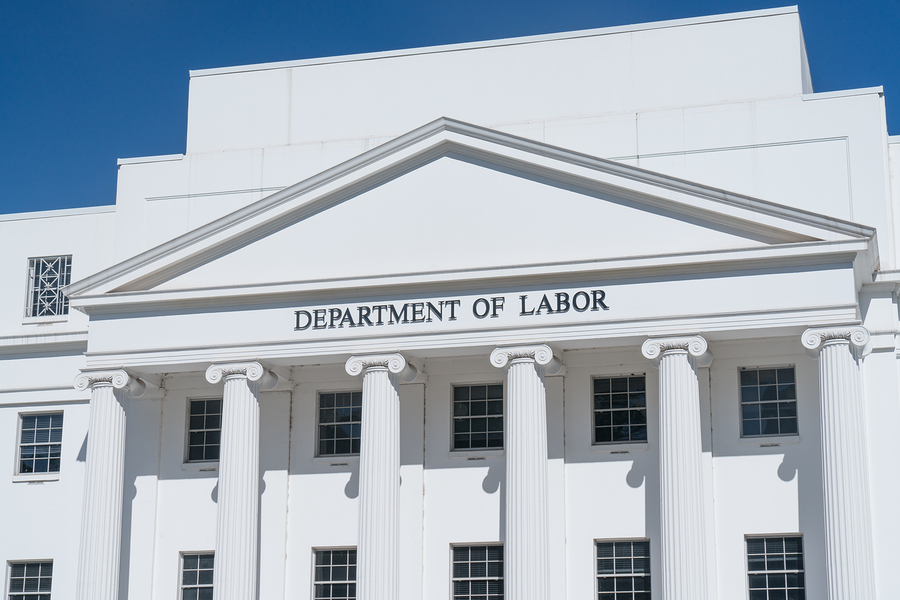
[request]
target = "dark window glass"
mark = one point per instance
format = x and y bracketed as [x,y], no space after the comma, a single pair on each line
[335,574]
[30,580]
[478,572]
[623,570]
[40,443]
[204,429]
[775,568]
[197,576]
[768,402]
[478,417]
[620,409]
[340,423]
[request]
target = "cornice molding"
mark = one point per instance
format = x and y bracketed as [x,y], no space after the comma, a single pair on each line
[857,336]
[694,345]
[116,378]
[395,363]
[541,354]
[252,370]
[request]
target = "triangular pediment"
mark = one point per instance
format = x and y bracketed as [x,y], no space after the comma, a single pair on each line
[455,198]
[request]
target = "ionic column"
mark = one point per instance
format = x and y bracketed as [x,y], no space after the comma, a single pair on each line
[237,536]
[104,478]
[526,564]
[682,518]
[845,469]
[378,551]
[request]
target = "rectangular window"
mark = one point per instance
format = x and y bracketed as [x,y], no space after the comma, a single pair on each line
[477,416]
[623,570]
[204,429]
[775,568]
[47,277]
[30,580]
[335,576]
[478,572]
[197,576]
[620,409]
[40,443]
[768,402]
[340,423]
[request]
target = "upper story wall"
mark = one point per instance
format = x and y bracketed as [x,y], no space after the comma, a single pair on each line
[688,62]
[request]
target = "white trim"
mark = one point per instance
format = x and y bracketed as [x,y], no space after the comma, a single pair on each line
[534,39]
[879,90]
[51,214]
[149,159]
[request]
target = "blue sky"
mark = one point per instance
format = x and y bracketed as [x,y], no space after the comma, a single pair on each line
[84,82]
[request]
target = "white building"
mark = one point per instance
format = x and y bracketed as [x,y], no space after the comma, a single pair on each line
[552,316]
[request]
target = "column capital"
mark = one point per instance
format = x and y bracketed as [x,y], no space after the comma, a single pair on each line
[542,354]
[117,378]
[252,370]
[395,363]
[814,338]
[695,345]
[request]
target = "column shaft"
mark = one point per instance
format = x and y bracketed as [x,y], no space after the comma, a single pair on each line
[101,516]
[682,519]
[378,557]
[527,505]
[848,528]
[237,541]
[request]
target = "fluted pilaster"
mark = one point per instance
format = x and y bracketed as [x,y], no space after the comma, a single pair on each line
[101,516]
[845,469]
[682,516]
[526,564]
[237,535]
[378,552]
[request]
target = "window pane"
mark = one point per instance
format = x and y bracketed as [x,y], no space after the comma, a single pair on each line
[623,567]
[612,396]
[477,410]
[478,572]
[768,402]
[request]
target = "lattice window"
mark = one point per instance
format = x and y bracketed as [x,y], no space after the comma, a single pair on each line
[335,576]
[340,423]
[40,443]
[478,572]
[768,402]
[47,277]
[204,429]
[197,576]
[620,409]
[477,416]
[775,568]
[30,580]
[623,570]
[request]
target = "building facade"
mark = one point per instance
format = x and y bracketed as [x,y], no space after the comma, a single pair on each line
[607,314]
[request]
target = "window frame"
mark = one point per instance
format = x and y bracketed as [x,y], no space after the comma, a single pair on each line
[181,555]
[771,438]
[763,536]
[596,575]
[312,574]
[8,584]
[29,290]
[199,464]
[617,445]
[470,545]
[335,458]
[48,476]
[469,452]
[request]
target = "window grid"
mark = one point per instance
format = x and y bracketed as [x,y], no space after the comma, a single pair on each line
[775,568]
[40,443]
[478,416]
[478,572]
[204,429]
[335,576]
[623,570]
[30,580]
[620,409]
[768,402]
[197,576]
[47,276]
[340,423]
